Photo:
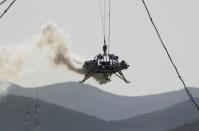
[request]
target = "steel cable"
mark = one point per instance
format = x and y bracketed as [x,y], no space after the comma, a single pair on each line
[170,58]
[6,10]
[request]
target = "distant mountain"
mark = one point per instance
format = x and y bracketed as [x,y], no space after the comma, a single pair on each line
[162,120]
[52,117]
[93,101]
[194,126]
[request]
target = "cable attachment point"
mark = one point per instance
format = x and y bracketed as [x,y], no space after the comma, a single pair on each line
[105,48]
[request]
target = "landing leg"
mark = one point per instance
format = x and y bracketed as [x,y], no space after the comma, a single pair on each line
[106,76]
[86,78]
[121,76]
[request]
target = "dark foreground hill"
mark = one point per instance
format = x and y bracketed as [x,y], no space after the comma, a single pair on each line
[162,120]
[52,117]
[194,126]
[57,118]
[93,101]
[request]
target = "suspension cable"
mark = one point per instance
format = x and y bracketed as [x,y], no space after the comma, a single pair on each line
[170,58]
[106,24]
[109,29]
[102,18]
[5,11]
[104,21]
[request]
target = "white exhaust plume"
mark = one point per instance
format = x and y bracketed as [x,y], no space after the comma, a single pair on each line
[51,46]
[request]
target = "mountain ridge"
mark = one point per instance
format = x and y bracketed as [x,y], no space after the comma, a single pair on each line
[93,101]
[162,120]
[52,117]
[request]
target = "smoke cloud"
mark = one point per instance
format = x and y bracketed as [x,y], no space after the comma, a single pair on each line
[58,45]
[51,46]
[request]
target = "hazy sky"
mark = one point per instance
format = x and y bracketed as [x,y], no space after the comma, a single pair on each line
[133,39]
